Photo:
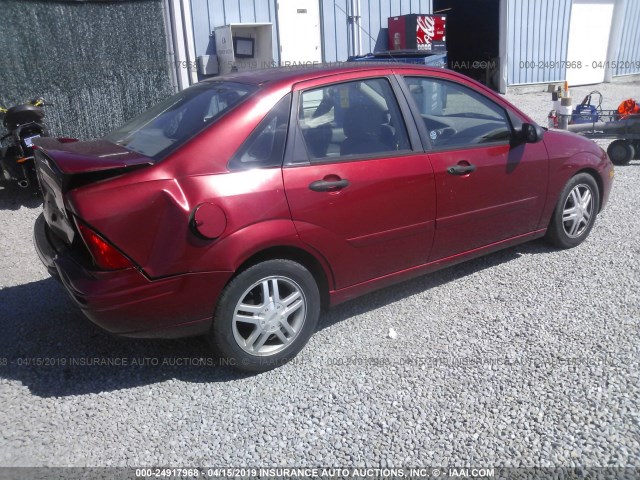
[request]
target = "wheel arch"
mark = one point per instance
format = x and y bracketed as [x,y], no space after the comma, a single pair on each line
[563,174]
[318,268]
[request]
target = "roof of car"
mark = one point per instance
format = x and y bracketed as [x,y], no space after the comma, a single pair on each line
[302,73]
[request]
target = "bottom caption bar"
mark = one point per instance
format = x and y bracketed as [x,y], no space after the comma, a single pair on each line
[320,473]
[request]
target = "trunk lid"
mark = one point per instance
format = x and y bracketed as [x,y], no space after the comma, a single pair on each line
[88,157]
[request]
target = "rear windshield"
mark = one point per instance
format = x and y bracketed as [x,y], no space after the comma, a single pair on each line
[164,127]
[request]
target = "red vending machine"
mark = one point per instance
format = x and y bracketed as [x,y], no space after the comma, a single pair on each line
[418,32]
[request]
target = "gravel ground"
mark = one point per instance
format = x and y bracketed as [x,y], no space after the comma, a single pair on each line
[527,357]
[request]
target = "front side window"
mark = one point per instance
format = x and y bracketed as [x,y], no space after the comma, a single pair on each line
[457,116]
[360,118]
[163,128]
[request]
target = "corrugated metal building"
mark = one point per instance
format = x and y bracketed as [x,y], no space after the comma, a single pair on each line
[582,41]
[501,42]
[102,61]
[333,22]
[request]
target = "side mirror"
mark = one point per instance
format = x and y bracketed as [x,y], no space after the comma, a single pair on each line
[530,133]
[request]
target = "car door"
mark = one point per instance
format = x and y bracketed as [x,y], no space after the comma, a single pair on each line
[360,189]
[489,187]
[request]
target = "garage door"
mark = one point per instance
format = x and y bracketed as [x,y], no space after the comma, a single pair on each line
[589,31]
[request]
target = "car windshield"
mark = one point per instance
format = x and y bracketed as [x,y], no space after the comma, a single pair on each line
[166,126]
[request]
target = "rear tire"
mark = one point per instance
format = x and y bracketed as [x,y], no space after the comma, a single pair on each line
[621,152]
[575,212]
[266,315]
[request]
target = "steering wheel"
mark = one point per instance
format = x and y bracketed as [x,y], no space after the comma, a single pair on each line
[439,135]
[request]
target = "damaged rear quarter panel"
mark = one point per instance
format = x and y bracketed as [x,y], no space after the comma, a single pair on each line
[150,220]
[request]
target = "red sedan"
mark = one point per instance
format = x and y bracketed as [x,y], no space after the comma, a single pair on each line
[241,206]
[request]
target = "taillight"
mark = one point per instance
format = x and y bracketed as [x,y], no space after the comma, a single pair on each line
[106,256]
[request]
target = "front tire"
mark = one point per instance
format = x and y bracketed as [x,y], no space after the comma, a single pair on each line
[575,212]
[266,315]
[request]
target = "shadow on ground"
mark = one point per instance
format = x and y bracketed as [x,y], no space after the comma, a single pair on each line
[13,197]
[43,332]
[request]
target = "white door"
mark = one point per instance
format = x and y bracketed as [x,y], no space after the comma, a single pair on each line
[299,31]
[589,31]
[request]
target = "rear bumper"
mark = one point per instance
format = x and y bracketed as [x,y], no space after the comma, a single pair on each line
[126,302]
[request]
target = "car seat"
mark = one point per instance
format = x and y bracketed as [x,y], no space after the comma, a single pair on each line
[318,139]
[366,131]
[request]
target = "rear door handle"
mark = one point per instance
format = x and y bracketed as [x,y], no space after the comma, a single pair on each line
[461,169]
[329,185]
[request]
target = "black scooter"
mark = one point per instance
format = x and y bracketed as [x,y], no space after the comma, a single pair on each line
[24,124]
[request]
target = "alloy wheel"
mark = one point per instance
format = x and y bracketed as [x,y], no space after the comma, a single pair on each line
[269,316]
[577,211]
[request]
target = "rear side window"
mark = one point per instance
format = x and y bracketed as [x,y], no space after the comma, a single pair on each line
[265,146]
[165,127]
[457,116]
[360,118]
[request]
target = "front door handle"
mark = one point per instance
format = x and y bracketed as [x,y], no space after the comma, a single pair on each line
[461,169]
[329,185]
